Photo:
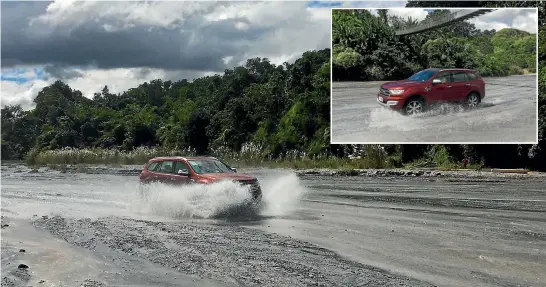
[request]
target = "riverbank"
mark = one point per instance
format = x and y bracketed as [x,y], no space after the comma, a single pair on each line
[134,170]
[250,158]
[376,163]
[433,173]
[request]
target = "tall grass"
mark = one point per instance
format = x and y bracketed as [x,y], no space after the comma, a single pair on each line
[100,156]
[438,157]
[250,155]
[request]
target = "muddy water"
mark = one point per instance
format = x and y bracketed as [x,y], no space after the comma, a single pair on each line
[325,231]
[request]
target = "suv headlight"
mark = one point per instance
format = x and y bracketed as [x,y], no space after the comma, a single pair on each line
[396,92]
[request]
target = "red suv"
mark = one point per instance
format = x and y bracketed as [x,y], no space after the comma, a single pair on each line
[196,170]
[415,94]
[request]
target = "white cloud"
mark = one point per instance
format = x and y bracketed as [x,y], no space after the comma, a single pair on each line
[118,80]
[523,19]
[122,79]
[91,81]
[14,93]
[415,13]
[227,60]
[319,14]
[279,60]
[156,13]
[482,25]
[374,4]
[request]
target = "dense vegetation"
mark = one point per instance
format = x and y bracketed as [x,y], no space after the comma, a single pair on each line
[256,114]
[276,109]
[365,47]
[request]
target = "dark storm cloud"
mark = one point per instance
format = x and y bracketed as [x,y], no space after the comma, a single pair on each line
[14,18]
[61,72]
[143,72]
[196,45]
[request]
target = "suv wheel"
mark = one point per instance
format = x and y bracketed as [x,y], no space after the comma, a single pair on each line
[414,106]
[473,100]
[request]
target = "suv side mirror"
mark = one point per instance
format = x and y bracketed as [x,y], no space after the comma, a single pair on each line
[234,169]
[436,81]
[183,173]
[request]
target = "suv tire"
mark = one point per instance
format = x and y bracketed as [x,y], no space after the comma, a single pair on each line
[414,106]
[472,100]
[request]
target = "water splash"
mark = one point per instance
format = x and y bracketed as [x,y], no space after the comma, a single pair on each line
[386,118]
[281,195]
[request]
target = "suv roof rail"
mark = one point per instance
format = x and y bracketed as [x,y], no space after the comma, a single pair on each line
[183,157]
[464,69]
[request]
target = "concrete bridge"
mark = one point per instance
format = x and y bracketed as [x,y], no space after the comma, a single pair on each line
[455,16]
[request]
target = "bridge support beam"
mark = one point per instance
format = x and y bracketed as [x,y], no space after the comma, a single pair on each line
[456,16]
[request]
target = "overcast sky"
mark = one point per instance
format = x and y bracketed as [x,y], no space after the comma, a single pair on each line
[122,44]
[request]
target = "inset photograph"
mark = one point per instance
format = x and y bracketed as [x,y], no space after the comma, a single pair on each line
[413,75]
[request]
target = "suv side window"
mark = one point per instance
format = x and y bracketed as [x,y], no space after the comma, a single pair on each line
[471,76]
[154,166]
[460,77]
[167,167]
[444,77]
[180,165]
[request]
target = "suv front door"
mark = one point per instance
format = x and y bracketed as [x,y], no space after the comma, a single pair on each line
[178,178]
[441,92]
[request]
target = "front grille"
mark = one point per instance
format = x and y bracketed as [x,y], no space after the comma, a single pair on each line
[384,91]
[254,185]
[247,181]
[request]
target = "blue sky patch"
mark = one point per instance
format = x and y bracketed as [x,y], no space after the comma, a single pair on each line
[324,4]
[22,75]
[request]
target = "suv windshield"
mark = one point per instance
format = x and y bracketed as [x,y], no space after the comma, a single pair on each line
[422,76]
[209,166]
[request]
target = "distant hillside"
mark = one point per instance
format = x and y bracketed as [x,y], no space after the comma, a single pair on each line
[276,108]
[518,47]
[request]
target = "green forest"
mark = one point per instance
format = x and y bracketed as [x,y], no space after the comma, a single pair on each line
[365,47]
[267,112]
[275,108]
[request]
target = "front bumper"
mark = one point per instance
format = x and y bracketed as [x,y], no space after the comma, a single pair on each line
[256,193]
[254,189]
[391,102]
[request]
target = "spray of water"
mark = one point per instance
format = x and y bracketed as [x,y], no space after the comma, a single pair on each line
[385,118]
[280,196]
